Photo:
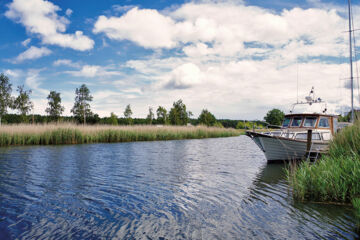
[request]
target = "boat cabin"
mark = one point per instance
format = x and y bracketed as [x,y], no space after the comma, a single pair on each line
[311,121]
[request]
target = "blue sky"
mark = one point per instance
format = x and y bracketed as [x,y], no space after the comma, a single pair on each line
[238,59]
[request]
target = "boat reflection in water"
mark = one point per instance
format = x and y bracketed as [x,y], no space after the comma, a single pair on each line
[337,221]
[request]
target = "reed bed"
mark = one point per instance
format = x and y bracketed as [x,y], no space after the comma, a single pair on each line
[336,176]
[52,134]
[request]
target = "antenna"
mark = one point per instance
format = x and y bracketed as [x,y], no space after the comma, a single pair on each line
[351,65]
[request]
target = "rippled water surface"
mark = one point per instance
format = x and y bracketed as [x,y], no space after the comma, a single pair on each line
[192,189]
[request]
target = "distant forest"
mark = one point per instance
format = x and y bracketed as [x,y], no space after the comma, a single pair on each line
[95,119]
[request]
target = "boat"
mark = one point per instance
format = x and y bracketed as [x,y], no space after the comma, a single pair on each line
[305,134]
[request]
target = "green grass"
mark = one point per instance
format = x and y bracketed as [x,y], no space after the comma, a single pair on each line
[73,134]
[333,178]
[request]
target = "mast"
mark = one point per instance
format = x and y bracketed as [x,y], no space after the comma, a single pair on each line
[351,65]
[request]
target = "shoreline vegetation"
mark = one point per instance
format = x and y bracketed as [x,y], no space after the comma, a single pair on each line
[333,178]
[56,134]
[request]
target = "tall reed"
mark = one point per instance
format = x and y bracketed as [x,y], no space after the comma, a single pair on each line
[51,134]
[336,176]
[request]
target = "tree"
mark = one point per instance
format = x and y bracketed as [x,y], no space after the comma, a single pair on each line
[127,114]
[22,102]
[81,109]
[207,118]
[5,95]
[113,119]
[274,117]
[150,116]
[55,109]
[162,116]
[178,114]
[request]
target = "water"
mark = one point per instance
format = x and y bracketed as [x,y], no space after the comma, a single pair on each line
[191,189]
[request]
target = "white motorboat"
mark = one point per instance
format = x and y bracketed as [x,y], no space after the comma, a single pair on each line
[291,141]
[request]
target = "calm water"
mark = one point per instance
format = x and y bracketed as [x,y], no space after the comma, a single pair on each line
[192,189]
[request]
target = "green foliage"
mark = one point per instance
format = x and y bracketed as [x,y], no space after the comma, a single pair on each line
[178,114]
[207,118]
[66,135]
[218,125]
[150,116]
[347,117]
[127,114]
[243,125]
[335,177]
[274,117]
[22,102]
[113,120]
[329,179]
[81,108]
[5,95]
[356,203]
[55,109]
[248,125]
[162,116]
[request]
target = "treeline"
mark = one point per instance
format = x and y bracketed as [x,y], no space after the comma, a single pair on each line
[82,113]
[95,119]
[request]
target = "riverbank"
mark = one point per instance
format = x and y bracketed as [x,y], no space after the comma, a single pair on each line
[53,134]
[336,176]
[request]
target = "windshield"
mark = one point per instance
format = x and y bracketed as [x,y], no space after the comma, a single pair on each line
[286,122]
[296,122]
[310,122]
[324,122]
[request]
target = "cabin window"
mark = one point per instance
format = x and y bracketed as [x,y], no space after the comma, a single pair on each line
[286,122]
[324,122]
[276,134]
[287,135]
[310,122]
[296,122]
[303,136]
[315,136]
[335,123]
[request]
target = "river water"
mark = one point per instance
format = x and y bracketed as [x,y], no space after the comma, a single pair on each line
[192,189]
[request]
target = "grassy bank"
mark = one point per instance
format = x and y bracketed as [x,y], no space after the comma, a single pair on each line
[51,134]
[335,177]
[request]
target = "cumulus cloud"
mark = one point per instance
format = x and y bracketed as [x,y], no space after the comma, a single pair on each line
[227,28]
[184,76]
[40,18]
[32,53]
[148,28]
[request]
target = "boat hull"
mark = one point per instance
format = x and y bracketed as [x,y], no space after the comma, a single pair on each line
[279,149]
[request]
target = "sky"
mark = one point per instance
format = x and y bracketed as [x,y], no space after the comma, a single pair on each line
[236,58]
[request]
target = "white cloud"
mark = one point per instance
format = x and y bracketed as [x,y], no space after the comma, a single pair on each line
[33,81]
[122,8]
[66,62]
[224,29]
[32,53]
[68,12]
[15,73]
[26,42]
[92,71]
[40,18]
[184,76]
[139,27]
